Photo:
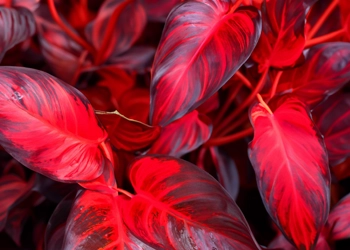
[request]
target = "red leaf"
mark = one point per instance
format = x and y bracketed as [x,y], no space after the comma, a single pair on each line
[338,220]
[179,206]
[333,118]
[226,170]
[28,4]
[291,166]
[202,46]
[60,51]
[12,190]
[95,223]
[282,39]
[326,70]
[15,223]
[126,134]
[183,135]
[59,134]
[126,18]
[158,10]
[16,25]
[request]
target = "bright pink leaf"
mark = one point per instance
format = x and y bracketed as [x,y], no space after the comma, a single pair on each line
[338,220]
[59,134]
[180,206]
[282,39]
[202,46]
[128,19]
[16,25]
[326,70]
[291,165]
[95,223]
[183,135]
[332,119]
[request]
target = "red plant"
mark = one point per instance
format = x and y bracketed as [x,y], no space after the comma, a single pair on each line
[133,119]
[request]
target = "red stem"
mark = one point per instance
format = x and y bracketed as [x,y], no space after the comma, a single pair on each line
[109,32]
[322,19]
[107,152]
[275,84]
[67,29]
[235,6]
[125,192]
[245,104]
[325,38]
[245,81]
[229,139]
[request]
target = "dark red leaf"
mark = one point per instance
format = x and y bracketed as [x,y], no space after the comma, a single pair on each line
[282,39]
[59,134]
[333,119]
[15,223]
[60,51]
[158,10]
[126,134]
[95,223]
[291,165]
[338,221]
[16,25]
[183,135]
[202,46]
[180,206]
[326,70]
[127,18]
[226,170]
[100,98]
[12,189]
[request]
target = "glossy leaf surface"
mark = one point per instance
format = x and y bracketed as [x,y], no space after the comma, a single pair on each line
[291,166]
[338,220]
[183,135]
[180,206]
[95,223]
[59,135]
[282,39]
[216,41]
[326,70]
[16,25]
[333,120]
[125,18]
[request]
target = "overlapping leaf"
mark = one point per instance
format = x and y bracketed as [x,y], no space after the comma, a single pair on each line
[183,135]
[124,18]
[291,165]
[16,25]
[28,4]
[180,206]
[95,223]
[159,10]
[282,39]
[49,126]
[326,70]
[333,119]
[202,46]
[338,220]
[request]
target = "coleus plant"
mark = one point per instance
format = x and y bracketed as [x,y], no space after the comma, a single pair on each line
[140,124]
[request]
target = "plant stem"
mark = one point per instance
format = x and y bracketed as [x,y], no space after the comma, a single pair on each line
[263,103]
[325,38]
[322,19]
[245,81]
[67,29]
[275,84]
[112,23]
[116,112]
[235,6]
[107,152]
[245,104]
[125,192]
[229,139]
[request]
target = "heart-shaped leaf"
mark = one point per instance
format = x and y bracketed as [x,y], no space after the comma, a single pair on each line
[202,46]
[338,220]
[291,166]
[332,119]
[326,70]
[183,135]
[49,126]
[16,25]
[282,39]
[180,206]
[95,223]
